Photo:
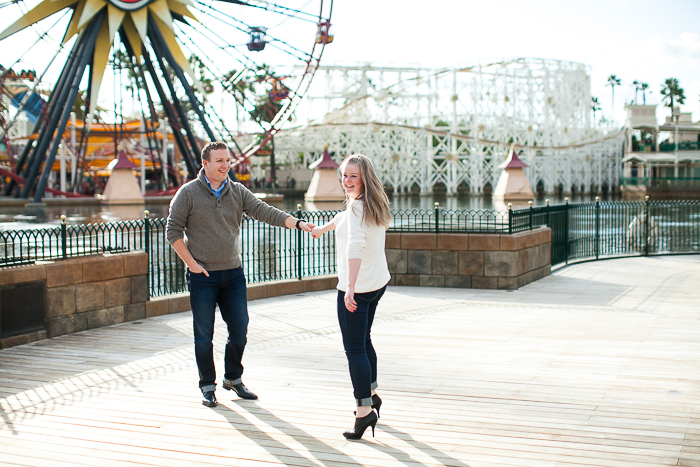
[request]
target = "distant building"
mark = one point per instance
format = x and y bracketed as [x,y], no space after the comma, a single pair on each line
[662,161]
[512,184]
[122,187]
[325,185]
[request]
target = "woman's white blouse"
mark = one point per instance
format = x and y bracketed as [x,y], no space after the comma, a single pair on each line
[358,240]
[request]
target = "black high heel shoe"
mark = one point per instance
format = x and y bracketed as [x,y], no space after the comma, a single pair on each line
[376,403]
[361,425]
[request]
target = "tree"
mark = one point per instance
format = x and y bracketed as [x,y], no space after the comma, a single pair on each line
[636,88]
[643,87]
[612,82]
[595,107]
[671,90]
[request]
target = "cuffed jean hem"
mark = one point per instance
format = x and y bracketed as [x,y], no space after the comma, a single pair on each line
[374,385]
[233,381]
[364,402]
[211,387]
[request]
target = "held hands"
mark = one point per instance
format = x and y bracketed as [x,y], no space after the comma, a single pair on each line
[307,226]
[350,303]
[316,232]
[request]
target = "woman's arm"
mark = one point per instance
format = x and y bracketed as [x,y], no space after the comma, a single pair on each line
[357,242]
[353,271]
[316,232]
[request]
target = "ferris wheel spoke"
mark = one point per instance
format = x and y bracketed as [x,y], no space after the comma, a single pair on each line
[225,47]
[229,86]
[217,72]
[247,28]
[60,119]
[9,3]
[211,108]
[183,123]
[305,55]
[278,9]
[28,93]
[140,80]
[170,111]
[243,28]
[39,39]
[42,124]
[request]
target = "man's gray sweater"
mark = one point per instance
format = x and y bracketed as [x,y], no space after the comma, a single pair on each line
[210,226]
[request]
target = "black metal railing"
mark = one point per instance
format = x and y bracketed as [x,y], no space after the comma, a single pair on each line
[68,241]
[617,228]
[448,220]
[579,232]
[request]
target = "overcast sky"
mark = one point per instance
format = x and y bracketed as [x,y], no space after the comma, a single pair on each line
[644,40]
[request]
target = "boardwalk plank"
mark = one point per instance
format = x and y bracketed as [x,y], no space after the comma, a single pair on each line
[595,365]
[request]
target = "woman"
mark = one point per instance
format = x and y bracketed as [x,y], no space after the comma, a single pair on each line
[362,278]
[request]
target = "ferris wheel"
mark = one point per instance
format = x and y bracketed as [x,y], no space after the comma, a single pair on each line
[167,62]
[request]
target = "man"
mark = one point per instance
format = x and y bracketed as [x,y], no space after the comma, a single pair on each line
[203,228]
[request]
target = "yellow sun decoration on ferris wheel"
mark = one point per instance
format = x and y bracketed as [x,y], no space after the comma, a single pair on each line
[129,15]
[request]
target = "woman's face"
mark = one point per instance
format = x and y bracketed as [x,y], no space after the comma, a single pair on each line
[352,181]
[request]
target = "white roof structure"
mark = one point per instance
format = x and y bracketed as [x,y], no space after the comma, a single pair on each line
[662,158]
[451,126]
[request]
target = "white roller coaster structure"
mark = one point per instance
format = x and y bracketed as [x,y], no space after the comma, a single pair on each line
[452,127]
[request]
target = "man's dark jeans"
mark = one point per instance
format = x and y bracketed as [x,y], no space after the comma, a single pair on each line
[228,290]
[356,328]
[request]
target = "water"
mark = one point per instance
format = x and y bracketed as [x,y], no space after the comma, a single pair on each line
[20,218]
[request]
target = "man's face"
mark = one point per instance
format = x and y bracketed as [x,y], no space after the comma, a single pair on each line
[217,167]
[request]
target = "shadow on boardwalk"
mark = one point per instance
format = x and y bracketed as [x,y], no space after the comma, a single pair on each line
[594,365]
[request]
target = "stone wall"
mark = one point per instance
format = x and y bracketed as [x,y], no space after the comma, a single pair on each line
[479,261]
[84,293]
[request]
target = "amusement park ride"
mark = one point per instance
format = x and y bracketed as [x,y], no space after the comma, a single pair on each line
[452,127]
[149,39]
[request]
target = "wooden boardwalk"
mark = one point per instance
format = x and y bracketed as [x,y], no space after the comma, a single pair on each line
[596,365]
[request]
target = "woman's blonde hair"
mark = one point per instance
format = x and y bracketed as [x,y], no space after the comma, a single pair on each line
[376,206]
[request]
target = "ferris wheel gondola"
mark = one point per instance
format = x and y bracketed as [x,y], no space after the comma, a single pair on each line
[161,50]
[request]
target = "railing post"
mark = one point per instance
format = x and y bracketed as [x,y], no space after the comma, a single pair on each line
[597,227]
[437,218]
[147,247]
[299,249]
[566,230]
[646,226]
[510,218]
[530,204]
[547,202]
[64,238]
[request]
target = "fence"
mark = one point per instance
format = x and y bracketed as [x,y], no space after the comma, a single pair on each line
[579,231]
[661,181]
[618,228]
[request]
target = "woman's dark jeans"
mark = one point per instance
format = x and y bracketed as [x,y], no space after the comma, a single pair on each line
[227,289]
[355,328]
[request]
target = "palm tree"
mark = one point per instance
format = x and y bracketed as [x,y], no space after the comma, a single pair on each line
[636,88]
[670,90]
[643,87]
[595,106]
[612,82]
